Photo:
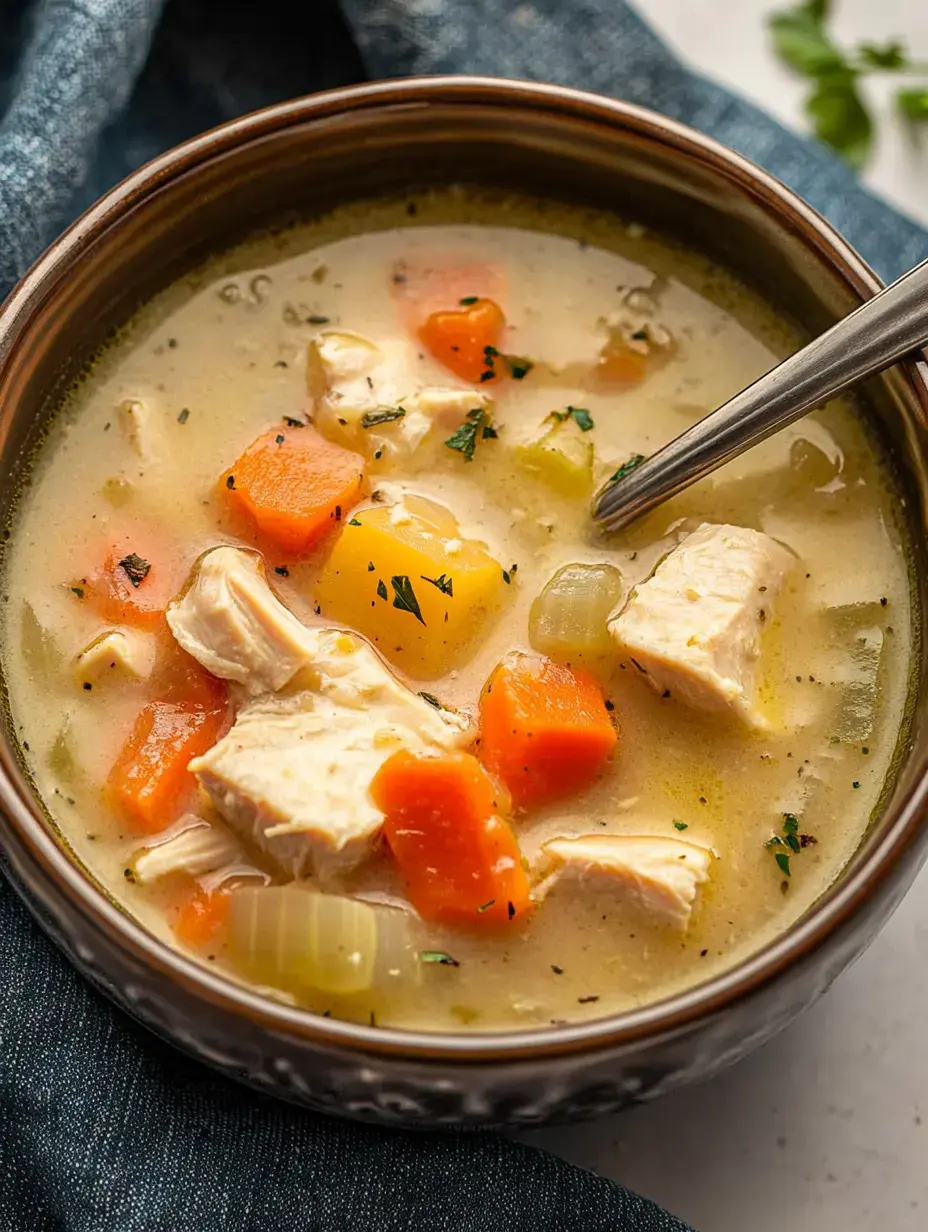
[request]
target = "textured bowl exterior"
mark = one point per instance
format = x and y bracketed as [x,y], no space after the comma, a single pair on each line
[308,155]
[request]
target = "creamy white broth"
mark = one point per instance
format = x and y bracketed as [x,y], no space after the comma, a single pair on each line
[228,346]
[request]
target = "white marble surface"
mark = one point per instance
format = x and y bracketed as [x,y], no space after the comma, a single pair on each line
[825,1129]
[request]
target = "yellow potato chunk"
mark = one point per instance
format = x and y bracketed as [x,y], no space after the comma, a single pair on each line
[401,576]
[561,457]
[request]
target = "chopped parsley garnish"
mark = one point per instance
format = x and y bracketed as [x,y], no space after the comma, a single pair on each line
[230,482]
[370,419]
[438,956]
[404,597]
[640,335]
[508,573]
[282,570]
[791,839]
[586,1000]
[77,590]
[476,426]
[316,318]
[443,582]
[293,423]
[370,563]
[468,300]
[136,569]
[382,589]
[486,906]
[355,522]
[581,417]
[680,825]
[280,438]
[627,467]
[511,910]
[432,701]
[184,415]
[519,368]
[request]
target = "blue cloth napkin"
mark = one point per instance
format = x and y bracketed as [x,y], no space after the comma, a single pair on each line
[103,1127]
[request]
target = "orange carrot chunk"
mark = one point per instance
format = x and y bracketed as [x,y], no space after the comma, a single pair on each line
[295,485]
[132,587]
[459,858]
[620,365]
[466,339]
[150,783]
[202,917]
[544,728]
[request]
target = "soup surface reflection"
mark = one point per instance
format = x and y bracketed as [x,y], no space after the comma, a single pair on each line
[317,526]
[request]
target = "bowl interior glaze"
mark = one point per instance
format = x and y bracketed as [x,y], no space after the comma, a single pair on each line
[302,158]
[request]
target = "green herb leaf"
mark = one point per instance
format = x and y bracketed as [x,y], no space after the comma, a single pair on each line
[293,423]
[486,906]
[627,467]
[354,521]
[888,57]
[443,582]
[184,415]
[518,366]
[404,597]
[468,300]
[582,418]
[680,825]
[840,117]
[438,956]
[476,425]
[782,860]
[793,842]
[382,589]
[370,419]
[77,590]
[790,823]
[282,570]
[801,41]
[370,563]
[136,569]
[432,700]
[913,104]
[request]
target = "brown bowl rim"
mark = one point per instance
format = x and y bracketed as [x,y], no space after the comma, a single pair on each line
[670,1016]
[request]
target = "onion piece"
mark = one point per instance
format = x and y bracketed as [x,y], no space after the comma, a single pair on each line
[297,939]
[569,616]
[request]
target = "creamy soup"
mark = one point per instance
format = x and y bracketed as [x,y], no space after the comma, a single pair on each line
[324,674]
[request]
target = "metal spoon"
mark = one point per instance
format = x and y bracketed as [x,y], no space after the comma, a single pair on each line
[872,338]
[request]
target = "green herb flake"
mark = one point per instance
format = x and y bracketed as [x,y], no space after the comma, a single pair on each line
[442,582]
[486,906]
[355,522]
[230,482]
[136,569]
[519,368]
[855,784]
[282,570]
[77,590]
[627,467]
[476,426]
[404,597]
[790,823]
[387,414]
[438,956]
[432,700]
[294,423]
[370,563]
[381,589]
[680,825]
[468,300]
[184,415]
[782,860]
[582,418]
[280,438]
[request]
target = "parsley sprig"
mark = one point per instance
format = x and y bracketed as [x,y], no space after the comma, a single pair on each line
[788,842]
[834,104]
[475,427]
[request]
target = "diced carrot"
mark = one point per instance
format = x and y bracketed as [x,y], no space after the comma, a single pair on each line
[150,782]
[295,485]
[620,365]
[544,728]
[459,857]
[201,917]
[466,339]
[133,586]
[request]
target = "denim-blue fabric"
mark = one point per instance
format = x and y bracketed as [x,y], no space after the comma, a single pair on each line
[104,1128]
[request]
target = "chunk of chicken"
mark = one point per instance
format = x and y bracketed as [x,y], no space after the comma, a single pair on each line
[363,398]
[192,846]
[124,652]
[294,772]
[234,625]
[694,626]
[660,874]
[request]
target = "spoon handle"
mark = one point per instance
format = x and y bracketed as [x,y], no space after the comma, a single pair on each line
[871,338]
